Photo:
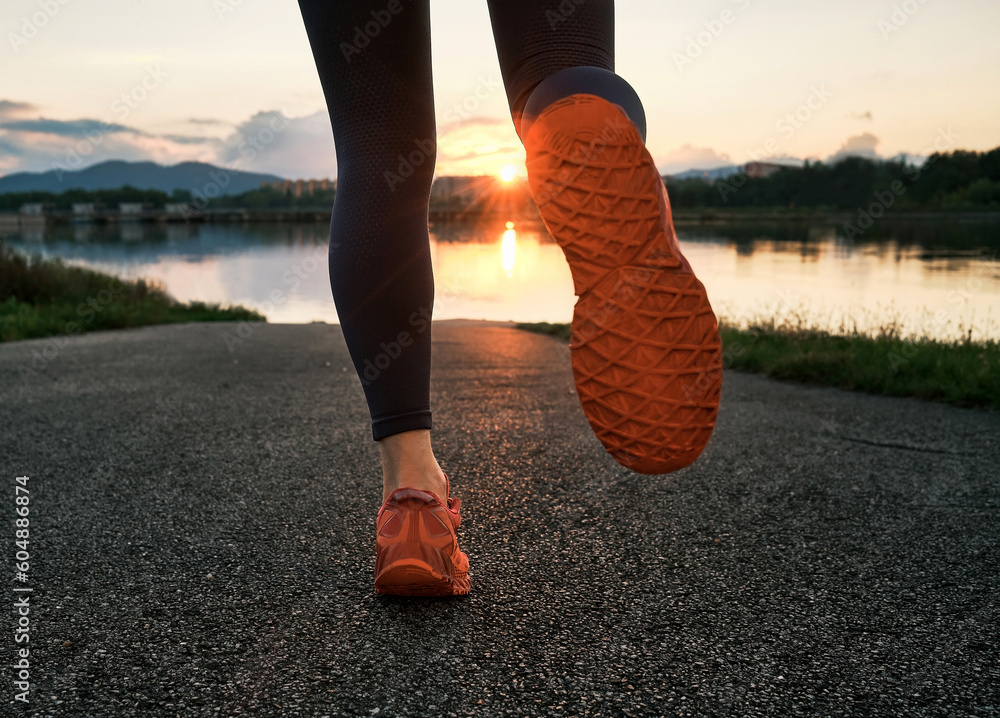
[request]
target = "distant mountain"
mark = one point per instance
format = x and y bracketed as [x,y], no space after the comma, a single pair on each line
[708,175]
[141,175]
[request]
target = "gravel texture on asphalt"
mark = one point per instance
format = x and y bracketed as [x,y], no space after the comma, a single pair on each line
[203,503]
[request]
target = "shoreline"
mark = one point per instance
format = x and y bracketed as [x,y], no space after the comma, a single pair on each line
[14,221]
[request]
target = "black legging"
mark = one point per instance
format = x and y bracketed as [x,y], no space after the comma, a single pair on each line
[374,62]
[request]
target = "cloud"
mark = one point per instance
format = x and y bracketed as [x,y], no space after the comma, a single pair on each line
[857,146]
[863,116]
[65,128]
[9,107]
[299,147]
[204,121]
[295,147]
[9,148]
[45,152]
[190,139]
[39,144]
[10,155]
[688,157]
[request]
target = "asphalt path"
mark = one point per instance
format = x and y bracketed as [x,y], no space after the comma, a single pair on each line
[202,512]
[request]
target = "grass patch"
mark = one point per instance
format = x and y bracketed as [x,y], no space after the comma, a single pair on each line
[963,373]
[45,297]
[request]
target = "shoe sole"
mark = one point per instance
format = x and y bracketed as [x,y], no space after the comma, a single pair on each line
[645,347]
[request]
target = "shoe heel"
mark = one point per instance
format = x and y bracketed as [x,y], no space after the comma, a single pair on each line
[407,570]
[418,556]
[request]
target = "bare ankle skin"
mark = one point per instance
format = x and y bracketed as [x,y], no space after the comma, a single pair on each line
[408,461]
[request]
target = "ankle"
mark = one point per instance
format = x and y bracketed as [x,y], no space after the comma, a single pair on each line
[427,480]
[408,462]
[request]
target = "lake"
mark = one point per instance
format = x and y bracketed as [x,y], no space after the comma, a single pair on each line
[932,277]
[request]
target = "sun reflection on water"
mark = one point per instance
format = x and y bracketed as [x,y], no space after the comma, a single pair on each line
[508,249]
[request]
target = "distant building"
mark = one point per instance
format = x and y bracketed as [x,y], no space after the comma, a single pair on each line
[87,212]
[134,211]
[87,209]
[177,208]
[301,187]
[763,170]
[132,208]
[38,208]
[282,186]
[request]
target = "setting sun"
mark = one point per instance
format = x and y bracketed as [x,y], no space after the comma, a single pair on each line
[508,173]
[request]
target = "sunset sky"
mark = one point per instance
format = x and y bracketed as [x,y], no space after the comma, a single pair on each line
[870,77]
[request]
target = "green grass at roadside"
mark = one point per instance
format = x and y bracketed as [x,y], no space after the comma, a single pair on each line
[45,297]
[963,373]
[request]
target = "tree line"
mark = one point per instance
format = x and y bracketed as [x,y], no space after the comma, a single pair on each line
[257,199]
[951,180]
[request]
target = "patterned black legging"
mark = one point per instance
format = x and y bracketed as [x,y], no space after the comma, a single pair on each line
[374,62]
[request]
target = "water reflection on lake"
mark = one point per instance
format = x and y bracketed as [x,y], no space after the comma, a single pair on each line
[938,278]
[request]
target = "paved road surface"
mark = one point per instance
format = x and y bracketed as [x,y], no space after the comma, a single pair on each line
[202,542]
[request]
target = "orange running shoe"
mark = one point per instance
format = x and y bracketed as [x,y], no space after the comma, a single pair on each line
[417,552]
[645,345]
